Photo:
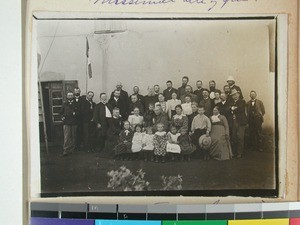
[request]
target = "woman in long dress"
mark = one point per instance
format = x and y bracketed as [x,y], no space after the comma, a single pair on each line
[220,147]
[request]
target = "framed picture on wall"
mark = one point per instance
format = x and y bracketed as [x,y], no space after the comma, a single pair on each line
[158,105]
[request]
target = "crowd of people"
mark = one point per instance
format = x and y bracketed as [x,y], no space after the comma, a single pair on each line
[169,125]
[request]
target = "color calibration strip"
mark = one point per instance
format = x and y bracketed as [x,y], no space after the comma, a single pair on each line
[165,214]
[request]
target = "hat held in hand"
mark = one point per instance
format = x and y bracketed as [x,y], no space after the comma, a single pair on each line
[204,142]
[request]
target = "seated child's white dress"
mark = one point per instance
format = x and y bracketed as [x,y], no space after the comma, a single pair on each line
[137,142]
[148,142]
[172,147]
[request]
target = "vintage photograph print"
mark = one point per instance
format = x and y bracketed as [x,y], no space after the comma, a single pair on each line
[157,106]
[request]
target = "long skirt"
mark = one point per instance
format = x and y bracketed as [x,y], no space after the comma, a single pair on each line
[123,148]
[220,147]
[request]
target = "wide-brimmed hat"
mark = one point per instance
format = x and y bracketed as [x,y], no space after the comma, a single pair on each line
[204,141]
[230,78]
[234,91]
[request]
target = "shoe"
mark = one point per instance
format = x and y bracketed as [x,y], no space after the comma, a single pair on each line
[239,156]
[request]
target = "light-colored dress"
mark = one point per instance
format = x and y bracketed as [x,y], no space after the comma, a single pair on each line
[137,142]
[148,142]
[187,108]
[160,143]
[220,148]
[174,146]
[134,120]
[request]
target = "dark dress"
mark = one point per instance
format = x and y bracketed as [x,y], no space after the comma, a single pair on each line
[148,118]
[186,145]
[180,122]
[124,143]
[190,119]
[114,130]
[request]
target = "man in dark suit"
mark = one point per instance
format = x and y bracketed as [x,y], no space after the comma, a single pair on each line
[117,102]
[88,126]
[232,86]
[207,103]
[69,114]
[225,110]
[101,117]
[238,109]
[199,90]
[78,101]
[189,92]
[135,103]
[255,115]
[169,91]
[123,94]
[181,90]
[136,91]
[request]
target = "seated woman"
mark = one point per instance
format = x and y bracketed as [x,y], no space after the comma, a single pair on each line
[161,102]
[171,104]
[179,120]
[220,148]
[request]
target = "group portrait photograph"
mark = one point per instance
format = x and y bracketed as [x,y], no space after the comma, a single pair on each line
[156,106]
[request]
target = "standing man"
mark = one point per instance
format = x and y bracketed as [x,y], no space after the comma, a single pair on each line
[169,91]
[123,94]
[207,103]
[78,101]
[255,114]
[181,90]
[156,89]
[225,110]
[117,102]
[212,88]
[88,126]
[238,108]
[199,90]
[102,115]
[69,115]
[136,91]
[232,86]
[189,92]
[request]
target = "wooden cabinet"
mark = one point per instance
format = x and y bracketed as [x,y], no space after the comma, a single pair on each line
[54,94]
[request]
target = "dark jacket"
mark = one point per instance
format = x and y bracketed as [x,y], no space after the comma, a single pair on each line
[180,91]
[87,110]
[199,94]
[259,109]
[208,106]
[150,99]
[100,117]
[225,110]
[121,104]
[161,118]
[69,113]
[194,98]
[137,104]
[240,112]
[168,93]
[238,89]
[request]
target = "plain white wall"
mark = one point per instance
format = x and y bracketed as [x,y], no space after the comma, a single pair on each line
[152,52]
